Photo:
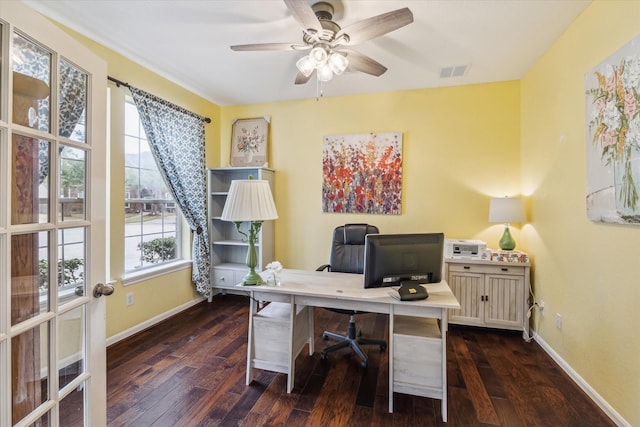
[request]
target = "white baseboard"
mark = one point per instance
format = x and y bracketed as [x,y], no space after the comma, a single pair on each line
[148,323]
[599,400]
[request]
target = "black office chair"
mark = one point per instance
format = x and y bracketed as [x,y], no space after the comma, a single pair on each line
[347,256]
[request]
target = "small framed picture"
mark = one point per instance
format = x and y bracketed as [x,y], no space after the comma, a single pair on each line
[249,139]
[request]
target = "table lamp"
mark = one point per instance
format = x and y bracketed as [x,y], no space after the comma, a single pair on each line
[506,210]
[250,200]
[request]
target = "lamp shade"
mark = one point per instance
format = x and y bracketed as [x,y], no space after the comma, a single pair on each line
[306,65]
[249,200]
[506,209]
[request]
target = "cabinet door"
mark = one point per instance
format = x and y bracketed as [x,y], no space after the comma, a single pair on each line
[467,287]
[504,307]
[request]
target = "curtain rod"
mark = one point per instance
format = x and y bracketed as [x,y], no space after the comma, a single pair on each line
[128,86]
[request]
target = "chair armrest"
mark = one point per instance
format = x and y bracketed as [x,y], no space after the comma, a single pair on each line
[324,267]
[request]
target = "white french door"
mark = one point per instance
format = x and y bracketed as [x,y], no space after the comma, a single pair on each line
[53,192]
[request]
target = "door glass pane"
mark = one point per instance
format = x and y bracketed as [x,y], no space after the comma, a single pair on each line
[31,84]
[30,174]
[73,102]
[71,264]
[72,184]
[72,408]
[30,275]
[29,370]
[1,62]
[43,421]
[71,345]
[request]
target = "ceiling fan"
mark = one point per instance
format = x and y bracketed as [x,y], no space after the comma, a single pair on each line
[329,45]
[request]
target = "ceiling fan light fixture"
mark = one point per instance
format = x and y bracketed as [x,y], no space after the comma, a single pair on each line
[318,55]
[305,65]
[338,63]
[324,73]
[321,35]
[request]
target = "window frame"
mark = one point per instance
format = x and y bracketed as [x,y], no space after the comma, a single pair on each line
[149,270]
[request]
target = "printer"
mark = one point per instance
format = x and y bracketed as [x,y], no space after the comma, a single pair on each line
[470,249]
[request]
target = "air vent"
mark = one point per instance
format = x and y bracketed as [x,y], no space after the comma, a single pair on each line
[455,71]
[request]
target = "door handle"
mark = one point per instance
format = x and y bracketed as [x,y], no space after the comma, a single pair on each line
[101,289]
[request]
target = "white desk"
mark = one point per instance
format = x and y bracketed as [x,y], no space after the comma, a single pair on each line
[302,288]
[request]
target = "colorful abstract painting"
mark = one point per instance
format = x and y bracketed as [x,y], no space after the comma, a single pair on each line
[362,173]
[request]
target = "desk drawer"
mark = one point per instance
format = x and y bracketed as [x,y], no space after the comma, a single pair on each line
[271,331]
[226,278]
[417,356]
[514,270]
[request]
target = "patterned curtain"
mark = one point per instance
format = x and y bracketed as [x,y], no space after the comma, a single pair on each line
[176,139]
[73,97]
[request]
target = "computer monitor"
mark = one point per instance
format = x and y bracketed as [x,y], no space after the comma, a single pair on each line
[390,259]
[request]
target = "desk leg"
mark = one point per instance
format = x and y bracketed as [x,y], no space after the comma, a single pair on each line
[444,326]
[252,310]
[390,354]
[292,356]
[310,339]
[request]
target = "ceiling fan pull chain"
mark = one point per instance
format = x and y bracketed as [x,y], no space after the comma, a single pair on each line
[319,93]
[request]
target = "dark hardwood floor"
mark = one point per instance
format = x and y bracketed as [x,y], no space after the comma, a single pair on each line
[190,371]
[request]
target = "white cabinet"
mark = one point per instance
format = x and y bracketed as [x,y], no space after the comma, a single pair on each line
[228,247]
[493,294]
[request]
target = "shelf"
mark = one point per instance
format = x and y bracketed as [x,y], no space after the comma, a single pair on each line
[233,266]
[231,243]
[229,246]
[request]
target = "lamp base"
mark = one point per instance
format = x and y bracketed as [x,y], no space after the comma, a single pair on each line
[506,241]
[252,279]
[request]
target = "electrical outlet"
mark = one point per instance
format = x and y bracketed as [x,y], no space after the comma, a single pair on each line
[558,321]
[541,306]
[130,298]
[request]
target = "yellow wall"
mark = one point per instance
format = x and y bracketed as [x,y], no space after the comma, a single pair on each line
[152,297]
[460,146]
[586,271]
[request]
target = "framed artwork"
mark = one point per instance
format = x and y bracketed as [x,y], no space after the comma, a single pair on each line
[362,173]
[613,137]
[249,139]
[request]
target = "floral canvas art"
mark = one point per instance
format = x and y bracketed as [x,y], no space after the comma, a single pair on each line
[613,137]
[249,142]
[362,173]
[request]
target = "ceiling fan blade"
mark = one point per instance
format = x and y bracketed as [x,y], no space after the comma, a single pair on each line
[268,46]
[301,78]
[361,62]
[375,26]
[305,16]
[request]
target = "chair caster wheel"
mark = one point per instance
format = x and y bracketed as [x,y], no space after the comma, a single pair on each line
[323,356]
[325,337]
[363,364]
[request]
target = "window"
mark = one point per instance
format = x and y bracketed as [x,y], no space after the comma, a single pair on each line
[152,221]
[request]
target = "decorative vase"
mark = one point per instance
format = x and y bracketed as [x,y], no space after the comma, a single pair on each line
[248,156]
[626,173]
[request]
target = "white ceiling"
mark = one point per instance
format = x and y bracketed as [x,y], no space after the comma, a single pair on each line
[187,41]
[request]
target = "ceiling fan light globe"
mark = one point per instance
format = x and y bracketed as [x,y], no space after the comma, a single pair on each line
[318,55]
[338,63]
[324,73]
[305,66]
